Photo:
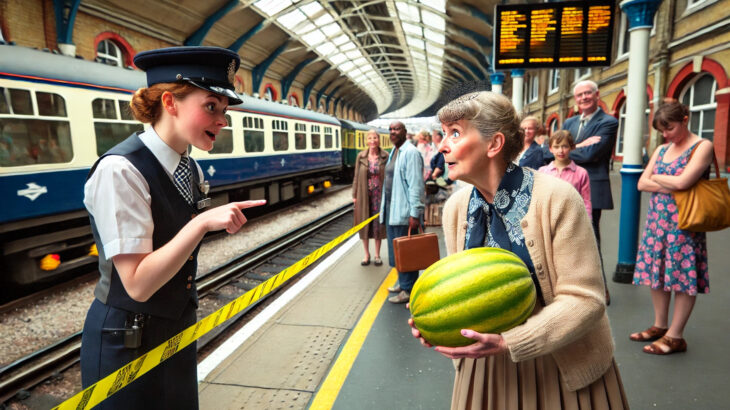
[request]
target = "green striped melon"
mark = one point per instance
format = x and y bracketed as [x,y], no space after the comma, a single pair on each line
[488,290]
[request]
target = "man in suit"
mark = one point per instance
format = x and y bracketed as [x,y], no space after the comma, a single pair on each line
[594,132]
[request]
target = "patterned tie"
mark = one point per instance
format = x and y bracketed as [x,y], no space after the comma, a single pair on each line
[182,179]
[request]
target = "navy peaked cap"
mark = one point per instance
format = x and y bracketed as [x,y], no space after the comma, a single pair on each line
[209,68]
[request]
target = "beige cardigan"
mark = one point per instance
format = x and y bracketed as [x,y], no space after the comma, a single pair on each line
[573,325]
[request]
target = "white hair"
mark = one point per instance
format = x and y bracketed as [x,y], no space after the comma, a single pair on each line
[592,84]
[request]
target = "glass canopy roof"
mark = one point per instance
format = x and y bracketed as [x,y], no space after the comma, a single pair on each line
[401,69]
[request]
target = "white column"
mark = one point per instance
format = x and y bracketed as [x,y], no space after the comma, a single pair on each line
[518,89]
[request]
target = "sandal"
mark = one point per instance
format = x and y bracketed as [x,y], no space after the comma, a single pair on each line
[378,261]
[666,345]
[365,262]
[648,335]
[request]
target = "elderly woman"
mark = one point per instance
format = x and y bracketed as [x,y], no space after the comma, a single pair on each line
[562,356]
[367,188]
[530,154]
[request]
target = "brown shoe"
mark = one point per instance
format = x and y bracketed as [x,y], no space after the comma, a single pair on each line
[402,297]
[666,345]
[395,288]
[648,335]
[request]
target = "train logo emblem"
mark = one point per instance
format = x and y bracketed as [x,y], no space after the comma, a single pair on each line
[33,191]
[211,171]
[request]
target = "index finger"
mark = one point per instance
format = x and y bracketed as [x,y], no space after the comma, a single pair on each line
[250,204]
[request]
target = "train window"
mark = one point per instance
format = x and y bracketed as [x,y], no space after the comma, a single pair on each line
[281,136]
[20,102]
[300,136]
[109,134]
[115,128]
[4,97]
[328,137]
[315,137]
[337,138]
[31,141]
[125,111]
[104,108]
[253,134]
[224,140]
[52,105]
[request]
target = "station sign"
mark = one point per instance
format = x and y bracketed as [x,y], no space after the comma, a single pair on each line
[546,35]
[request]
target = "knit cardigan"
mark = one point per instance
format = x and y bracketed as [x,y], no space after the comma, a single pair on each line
[573,326]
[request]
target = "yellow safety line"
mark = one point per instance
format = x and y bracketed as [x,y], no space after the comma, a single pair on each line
[330,389]
[99,391]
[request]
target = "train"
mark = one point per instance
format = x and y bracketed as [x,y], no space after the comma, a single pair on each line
[58,114]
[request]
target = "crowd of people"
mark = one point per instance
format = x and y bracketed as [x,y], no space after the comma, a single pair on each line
[510,163]
[538,197]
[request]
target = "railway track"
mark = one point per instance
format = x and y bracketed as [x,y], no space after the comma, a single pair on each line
[244,272]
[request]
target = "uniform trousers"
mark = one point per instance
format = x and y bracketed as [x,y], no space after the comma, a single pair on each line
[173,384]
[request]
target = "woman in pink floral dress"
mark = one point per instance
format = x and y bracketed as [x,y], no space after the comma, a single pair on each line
[670,259]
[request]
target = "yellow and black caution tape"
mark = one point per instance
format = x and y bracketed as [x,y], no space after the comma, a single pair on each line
[130,372]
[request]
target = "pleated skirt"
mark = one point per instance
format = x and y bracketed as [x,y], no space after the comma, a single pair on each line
[497,383]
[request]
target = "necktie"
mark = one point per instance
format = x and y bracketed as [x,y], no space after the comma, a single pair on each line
[580,127]
[181,178]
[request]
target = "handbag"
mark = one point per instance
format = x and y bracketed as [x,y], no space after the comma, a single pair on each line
[415,252]
[704,207]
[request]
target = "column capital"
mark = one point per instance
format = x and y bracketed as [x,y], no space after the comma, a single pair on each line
[517,72]
[640,13]
[497,78]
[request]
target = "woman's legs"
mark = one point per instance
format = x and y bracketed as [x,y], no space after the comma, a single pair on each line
[683,304]
[673,341]
[367,249]
[377,248]
[661,299]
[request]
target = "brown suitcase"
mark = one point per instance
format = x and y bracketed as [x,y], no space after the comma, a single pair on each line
[415,252]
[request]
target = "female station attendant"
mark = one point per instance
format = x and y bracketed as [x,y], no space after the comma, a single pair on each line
[145,200]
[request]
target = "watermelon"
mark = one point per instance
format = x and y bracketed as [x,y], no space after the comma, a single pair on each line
[488,290]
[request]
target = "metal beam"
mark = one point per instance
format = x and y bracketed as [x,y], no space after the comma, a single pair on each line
[308,87]
[236,45]
[197,37]
[65,11]
[257,74]
[478,57]
[287,81]
[329,97]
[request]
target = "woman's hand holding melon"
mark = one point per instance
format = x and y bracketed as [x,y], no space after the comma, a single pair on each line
[487,344]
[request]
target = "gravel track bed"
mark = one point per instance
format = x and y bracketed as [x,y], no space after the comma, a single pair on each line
[27,329]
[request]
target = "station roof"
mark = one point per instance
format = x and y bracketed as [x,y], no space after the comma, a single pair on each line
[392,58]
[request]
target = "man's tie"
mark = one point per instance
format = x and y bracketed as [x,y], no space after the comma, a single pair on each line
[580,128]
[182,179]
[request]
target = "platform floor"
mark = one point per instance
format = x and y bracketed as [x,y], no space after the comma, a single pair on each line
[339,344]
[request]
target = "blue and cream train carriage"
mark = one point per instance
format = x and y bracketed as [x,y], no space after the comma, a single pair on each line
[58,114]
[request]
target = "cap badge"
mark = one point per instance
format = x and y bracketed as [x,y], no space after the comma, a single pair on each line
[232,72]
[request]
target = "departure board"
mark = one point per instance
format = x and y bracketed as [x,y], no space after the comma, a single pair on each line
[565,34]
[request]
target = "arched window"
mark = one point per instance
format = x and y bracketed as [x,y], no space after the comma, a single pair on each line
[699,96]
[553,126]
[293,100]
[622,124]
[107,52]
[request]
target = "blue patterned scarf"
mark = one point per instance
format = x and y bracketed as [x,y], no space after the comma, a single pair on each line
[498,224]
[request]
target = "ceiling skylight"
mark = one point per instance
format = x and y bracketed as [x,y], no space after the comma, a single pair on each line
[320,31]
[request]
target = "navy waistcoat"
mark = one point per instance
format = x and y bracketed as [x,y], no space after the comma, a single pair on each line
[170,212]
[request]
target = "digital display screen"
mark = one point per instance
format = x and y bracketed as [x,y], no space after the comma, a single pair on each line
[566,34]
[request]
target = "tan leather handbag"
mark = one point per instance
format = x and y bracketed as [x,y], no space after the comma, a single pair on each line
[415,252]
[704,207]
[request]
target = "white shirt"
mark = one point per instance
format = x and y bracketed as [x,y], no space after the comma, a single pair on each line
[118,197]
